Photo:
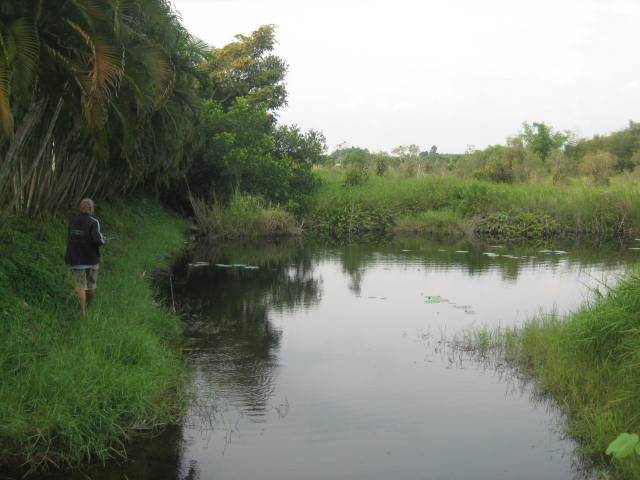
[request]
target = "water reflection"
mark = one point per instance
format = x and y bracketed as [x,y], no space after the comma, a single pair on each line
[317,363]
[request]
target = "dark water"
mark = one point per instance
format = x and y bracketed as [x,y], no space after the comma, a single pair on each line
[329,363]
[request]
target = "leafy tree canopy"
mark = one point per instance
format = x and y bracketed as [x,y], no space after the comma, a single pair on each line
[246,68]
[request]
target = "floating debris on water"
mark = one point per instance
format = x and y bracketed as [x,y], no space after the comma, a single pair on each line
[435,299]
[237,265]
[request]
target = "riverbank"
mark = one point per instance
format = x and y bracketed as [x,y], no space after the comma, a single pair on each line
[454,207]
[588,362]
[75,388]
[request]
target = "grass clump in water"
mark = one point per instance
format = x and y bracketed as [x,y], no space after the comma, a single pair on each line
[74,388]
[589,363]
[245,216]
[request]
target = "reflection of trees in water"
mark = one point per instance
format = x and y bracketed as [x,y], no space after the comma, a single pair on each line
[234,306]
[354,261]
[470,257]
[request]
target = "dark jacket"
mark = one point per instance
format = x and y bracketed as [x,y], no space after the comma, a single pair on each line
[84,241]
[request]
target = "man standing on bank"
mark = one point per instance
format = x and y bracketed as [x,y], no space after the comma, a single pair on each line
[83,252]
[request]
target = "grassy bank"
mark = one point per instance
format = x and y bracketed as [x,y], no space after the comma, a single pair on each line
[74,388]
[449,205]
[589,362]
[243,217]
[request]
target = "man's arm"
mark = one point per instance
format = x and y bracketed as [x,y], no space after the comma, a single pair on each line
[96,233]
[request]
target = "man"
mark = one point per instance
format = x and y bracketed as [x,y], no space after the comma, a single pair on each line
[83,252]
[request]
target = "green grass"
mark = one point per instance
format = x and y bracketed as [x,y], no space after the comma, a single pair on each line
[74,387]
[589,363]
[450,205]
[244,217]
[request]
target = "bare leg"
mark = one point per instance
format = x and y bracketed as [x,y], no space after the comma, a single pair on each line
[82,296]
[90,294]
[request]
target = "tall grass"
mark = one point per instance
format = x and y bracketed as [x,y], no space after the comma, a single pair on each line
[589,362]
[74,388]
[580,208]
[245,216]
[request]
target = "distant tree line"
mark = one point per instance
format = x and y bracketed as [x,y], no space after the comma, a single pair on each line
[536,153]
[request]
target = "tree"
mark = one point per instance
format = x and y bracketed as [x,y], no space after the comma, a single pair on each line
[599,166]
[304,148]
[247,69]
[541,139]
[92,97]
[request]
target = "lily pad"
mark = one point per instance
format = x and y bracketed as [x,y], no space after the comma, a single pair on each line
[624,445]
[436,299]
[199,264]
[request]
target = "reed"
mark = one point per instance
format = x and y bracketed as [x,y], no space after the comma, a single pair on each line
[245,216]
[431,202]
[588,363]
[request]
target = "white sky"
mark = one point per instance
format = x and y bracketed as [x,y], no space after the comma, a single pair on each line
[378,74]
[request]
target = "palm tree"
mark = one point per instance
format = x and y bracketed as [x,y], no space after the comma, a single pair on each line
[95,95]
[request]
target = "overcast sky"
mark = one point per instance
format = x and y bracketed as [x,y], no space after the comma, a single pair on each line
[450,73]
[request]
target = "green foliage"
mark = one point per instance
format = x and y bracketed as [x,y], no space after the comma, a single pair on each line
[125,71]
[541,139]
[72,386]
[514,225]
[356,175]
[246,69]
[245,153]
[588,362]
[351,220]
[244,216]
[472,198]
[599,166]
[624,445]
[381,162]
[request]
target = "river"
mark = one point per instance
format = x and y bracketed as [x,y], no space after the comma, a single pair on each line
[335,362]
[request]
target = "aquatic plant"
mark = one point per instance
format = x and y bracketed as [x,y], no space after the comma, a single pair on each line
[624,445]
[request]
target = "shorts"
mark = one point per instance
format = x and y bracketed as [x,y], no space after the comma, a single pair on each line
[85,278]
